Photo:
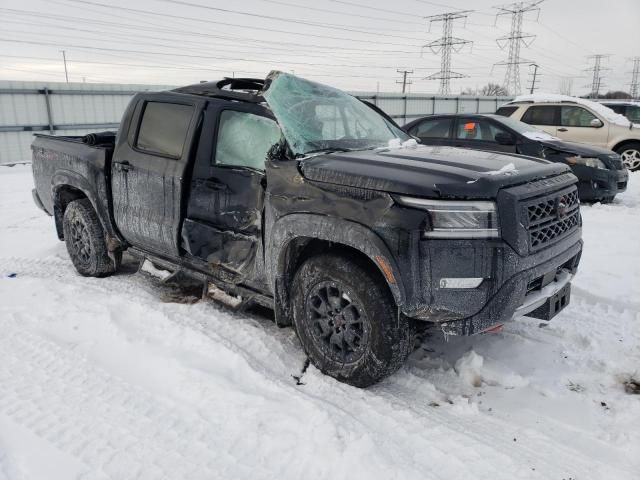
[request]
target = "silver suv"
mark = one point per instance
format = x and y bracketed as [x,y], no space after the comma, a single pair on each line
[579,120]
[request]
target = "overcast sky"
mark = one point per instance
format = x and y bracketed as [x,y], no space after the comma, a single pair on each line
[352,44]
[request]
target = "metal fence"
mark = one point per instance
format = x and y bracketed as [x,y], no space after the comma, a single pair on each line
[80,108]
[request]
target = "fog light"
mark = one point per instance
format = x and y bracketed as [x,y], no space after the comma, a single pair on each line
[460,282]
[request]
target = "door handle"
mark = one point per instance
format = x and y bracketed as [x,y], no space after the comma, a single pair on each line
[122,166]
[563,130]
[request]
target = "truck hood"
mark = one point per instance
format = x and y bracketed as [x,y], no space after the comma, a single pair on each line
[435,172]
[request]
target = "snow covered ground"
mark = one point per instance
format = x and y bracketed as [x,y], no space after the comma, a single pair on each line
[110,379]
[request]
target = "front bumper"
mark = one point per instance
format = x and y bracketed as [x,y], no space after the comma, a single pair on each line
[522,294]
[599,184]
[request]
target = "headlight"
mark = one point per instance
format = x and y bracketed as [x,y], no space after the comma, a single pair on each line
[457,218]
[587,162]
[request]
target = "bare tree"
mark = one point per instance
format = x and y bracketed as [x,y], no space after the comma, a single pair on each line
[489,90]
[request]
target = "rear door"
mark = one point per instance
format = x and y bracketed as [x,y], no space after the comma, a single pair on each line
[480,134]
[575,126]
[545,117]
[433,131]
[225,209]
[148,172]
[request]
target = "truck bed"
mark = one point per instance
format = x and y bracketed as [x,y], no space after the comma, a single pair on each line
[67,160]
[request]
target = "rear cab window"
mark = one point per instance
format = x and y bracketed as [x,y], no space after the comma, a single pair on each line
[163,128]
[540,115]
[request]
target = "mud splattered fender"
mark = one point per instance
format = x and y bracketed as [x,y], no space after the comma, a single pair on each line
[334,230]
[64,179]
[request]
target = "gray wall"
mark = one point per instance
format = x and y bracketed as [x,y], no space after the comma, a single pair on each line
[78,108]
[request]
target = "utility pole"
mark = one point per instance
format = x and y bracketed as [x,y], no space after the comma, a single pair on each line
[635,77]
[404,80]
[445,46]
[515,40]
[597,69]
[64,59]
[535,74]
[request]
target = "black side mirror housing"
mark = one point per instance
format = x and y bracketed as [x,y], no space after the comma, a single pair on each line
[505,138]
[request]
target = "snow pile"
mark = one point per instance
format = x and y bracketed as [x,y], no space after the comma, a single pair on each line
[602,110]
[102,379]
[396,143]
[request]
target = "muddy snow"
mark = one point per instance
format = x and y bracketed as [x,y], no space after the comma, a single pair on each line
[107,379]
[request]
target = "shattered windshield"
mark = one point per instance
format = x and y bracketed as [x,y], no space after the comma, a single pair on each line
[315,118]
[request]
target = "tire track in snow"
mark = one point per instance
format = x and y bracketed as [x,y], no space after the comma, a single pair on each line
[469,433]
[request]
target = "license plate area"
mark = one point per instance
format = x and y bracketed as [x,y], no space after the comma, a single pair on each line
[553,305]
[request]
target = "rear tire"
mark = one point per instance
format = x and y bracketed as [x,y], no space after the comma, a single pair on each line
[85,240]
[630,154]
[347,321]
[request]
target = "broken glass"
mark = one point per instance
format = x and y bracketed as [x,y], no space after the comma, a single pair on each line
[315,117]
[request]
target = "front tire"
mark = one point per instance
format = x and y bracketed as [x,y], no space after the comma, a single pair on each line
[630,154]
[347,321]
[85,240]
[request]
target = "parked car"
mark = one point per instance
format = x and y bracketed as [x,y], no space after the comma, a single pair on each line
[600,172]
[629,109]
[579,120]
[299,197]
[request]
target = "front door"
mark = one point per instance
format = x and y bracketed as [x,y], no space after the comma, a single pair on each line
[147,174]
[224,216]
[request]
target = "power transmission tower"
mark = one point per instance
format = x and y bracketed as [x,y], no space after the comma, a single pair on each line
[404,80]
[597,69]
[535,76]
[515,40]
[635,77]
[445,46]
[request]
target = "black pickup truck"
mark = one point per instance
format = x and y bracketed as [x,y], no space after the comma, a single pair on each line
[300,197]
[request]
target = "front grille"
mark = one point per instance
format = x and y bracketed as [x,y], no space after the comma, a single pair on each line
[552,217]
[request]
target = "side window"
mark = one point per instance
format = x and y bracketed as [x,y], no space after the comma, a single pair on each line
[436,128]
[164,127]
[573,116]
[477,129]
[540,115]
[506,111]
[244,139]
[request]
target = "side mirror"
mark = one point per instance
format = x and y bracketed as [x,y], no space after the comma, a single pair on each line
[505,138]
[596,123]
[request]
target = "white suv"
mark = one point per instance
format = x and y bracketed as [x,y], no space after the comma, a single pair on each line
[579,120]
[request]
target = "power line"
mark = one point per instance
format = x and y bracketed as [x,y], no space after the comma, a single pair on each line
[404,80]
[159,28]
[445,46]
[238,25]
[515,40]
[335,12]
[597,69]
